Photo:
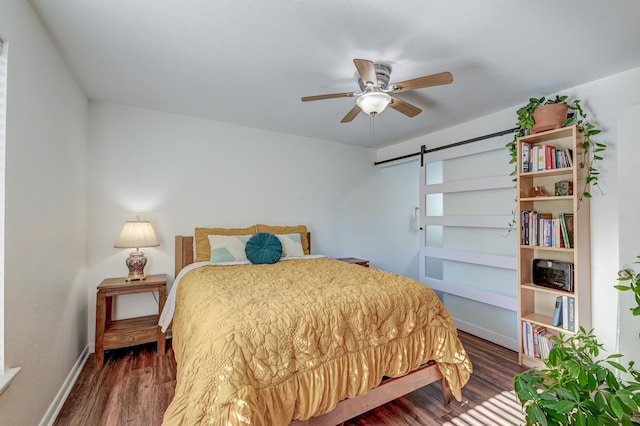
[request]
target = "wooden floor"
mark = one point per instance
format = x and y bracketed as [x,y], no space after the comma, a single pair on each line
[135,386]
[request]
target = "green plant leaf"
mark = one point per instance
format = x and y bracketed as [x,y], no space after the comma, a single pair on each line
[600,401]
[618,366]
[565,394]
[536,414]
[628,401]
[616,407]
[622,287]
[565,407]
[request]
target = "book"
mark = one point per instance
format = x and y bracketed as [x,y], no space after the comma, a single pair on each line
[565,312]
[557,239]
[547,232]
[568,220]
[571,315]
[525,227]
[546,343]
[537,331]
[543,238]
[526,157]
[569,154]
[549,157]
[542,156]
[525,339]
[557,313]
[530,338]
[563,228]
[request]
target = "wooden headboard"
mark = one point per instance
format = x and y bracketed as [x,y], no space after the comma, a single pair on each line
[185,255]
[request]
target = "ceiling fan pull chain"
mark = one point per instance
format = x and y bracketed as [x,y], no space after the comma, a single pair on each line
[371,128]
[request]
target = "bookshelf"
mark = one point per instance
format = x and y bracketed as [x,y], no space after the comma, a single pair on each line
[539,210]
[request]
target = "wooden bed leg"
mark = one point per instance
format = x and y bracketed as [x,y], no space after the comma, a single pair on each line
[446,391]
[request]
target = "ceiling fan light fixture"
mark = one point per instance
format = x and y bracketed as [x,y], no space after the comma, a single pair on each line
[374,102]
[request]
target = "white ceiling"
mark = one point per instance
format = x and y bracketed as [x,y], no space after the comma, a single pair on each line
[249,62]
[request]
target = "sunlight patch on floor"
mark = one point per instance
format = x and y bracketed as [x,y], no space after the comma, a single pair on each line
[502,409]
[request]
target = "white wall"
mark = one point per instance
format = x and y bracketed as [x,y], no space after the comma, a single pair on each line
[182,172]
[629,137]
[45,228]
[605,101]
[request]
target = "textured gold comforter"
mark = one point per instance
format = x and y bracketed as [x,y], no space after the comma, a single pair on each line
[265,344]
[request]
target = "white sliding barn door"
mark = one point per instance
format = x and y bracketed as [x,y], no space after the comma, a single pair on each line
[467,197]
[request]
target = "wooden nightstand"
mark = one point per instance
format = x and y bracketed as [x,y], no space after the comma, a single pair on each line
[355,260]
[132,331]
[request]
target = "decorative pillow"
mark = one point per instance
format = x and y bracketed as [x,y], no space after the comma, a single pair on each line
[201,240]
[263,248]
[291,245]
[281,230]
[227,248]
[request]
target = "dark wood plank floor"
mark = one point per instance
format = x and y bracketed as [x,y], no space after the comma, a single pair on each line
[135,387]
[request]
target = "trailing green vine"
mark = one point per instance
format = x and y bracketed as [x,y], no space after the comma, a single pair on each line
[591,155]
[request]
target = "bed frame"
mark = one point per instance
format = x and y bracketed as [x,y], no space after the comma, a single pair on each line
[347,409]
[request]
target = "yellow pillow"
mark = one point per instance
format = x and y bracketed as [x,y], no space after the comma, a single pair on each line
[203,248]
[279,230]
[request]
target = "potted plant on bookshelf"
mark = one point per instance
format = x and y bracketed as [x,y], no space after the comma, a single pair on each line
[578,387]
[565,113]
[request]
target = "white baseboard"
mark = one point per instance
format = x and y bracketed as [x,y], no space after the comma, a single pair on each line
[490,335]
[57,403]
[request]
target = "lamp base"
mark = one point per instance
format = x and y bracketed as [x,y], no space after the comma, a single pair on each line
[136,263]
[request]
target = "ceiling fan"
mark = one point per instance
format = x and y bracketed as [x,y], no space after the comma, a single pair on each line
[376,92]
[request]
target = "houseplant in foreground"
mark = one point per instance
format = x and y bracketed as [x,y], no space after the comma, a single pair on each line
[576,387]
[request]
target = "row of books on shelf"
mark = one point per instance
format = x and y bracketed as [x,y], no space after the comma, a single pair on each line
[545,157]
[564,313]
[542,229]
[536,340]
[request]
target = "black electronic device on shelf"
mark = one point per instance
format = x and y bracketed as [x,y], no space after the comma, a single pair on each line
[553,273]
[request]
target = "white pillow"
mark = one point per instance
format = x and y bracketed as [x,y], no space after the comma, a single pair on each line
[291,245]
[228,248]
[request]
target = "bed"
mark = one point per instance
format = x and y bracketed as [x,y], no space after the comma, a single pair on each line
[302,341]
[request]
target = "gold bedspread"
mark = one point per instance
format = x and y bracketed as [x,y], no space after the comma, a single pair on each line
[257,345]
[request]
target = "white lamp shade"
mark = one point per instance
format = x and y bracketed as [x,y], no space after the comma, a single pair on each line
[374,102]
[136,234]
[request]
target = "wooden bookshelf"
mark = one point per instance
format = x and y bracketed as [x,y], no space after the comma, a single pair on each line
[535,302]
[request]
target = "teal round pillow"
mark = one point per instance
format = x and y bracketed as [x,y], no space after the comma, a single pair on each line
[263,248]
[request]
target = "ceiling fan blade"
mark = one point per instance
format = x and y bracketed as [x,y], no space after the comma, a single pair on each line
[328,96]
[351,114]
[420,82]
[366,70]
[404,107]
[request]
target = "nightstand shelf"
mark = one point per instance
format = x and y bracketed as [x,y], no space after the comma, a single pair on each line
[112,334]
[355,260]
[132,330]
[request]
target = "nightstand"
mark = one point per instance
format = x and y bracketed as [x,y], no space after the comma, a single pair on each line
[131,331]
[355,260]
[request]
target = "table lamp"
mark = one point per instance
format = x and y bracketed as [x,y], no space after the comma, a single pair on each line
[135,234]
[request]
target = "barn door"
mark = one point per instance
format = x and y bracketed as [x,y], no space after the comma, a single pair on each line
[467,199]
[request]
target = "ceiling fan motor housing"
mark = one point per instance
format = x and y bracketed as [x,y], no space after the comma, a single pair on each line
[383,72]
